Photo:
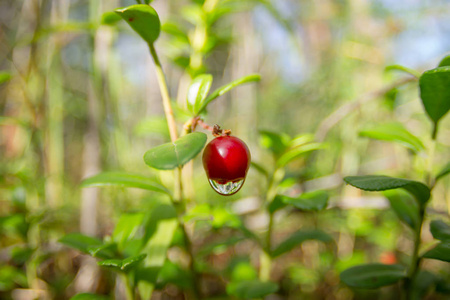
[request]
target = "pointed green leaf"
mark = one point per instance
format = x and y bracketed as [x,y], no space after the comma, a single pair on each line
[122,265]
[382,183]
[277,143]
[435,92]
[443,172]
[251,289]
[440,230]
[143,19]
[403,69]
[113,264]
[223,89]
[312,201]
[445,61]
[126,228]
[372,276]
[4,76]
[440,252]
[124,180]
[299,237]
[80,241]
[298,152]
[395,133]
[404,207]
[172,155]
[105,251]
[198,91]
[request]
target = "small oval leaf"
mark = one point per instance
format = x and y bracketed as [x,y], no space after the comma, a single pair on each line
[299,237]
[223,89]
[172,155]
[198,91]
[435,92]
[143,19]
[395,133]
[312,201]
[440,252]
[382,183]
[125,180]
[440,230]
[251,289]
[372,276]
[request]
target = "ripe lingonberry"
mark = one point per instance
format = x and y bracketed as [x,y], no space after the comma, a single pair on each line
[226,160]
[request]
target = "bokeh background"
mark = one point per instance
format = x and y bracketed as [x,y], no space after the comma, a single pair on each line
[82,97]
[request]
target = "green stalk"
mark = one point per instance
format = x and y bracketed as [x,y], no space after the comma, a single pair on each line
[178,195]
[416,259]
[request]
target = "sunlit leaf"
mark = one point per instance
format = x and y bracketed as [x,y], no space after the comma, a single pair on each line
[222,90]
[110,18]
[198,91]
[445,171]
[126,228]
[395,133]
[382,183]
[312,201]
[440,252]
[277,143]
[445,61]
[124,180]
[404,207]
[80,241]
[250,289]
[298,152]
[122,265]
[440,230]
[372,276]
[299,237]
[143,19]
[172,155]
[435,93]
[403,69]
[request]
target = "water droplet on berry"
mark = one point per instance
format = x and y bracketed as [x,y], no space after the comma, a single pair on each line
[227,188]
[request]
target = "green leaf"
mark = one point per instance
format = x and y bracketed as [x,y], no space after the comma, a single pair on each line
[440,252]
[276,204]
[126,228]
[223,89]
[104,251]
[124,180]
[440,230]
[198,91]
[445,61]
[124,265]
[5,76]
[403,69]
[372,276]
[143,19]
[435,92]
[80,241]
[174,274]
[395,133]
[260,168]
[382,183]
[443,172]
[404,207]
[250,289]
[277,143]
[89,296]
[172,155]
[312,201]
[110,18]
[299,237]
[298,152]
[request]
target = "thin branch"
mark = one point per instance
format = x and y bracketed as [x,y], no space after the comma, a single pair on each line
[349,107]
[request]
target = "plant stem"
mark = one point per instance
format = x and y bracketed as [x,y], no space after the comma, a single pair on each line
[164,94]
[129,288]
[415,261]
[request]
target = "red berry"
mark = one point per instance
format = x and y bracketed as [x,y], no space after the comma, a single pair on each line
[226,160]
